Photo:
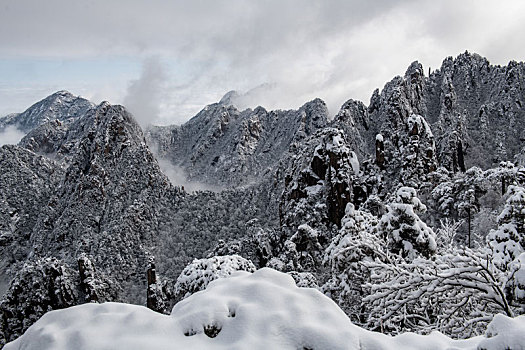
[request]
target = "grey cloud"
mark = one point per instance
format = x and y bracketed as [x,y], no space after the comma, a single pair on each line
[333,49]
[68,28]
[144,95]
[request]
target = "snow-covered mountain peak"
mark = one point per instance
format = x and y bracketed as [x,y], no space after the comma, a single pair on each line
[224,146]
[414,71]
[465,59]
[62,105]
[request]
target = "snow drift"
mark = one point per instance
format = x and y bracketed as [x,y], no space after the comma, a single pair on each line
[263,310]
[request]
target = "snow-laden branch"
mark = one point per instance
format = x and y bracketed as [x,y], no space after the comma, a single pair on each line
[456,292]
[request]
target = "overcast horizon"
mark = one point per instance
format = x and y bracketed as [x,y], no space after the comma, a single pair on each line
[166,61]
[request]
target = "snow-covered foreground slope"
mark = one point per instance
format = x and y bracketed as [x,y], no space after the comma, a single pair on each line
[263,310]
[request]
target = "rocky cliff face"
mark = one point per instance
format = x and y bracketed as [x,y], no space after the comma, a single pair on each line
[105,203]
[467,113]
[403,139]
[102,204]
[475,110]
[477,107]
[224,146]
[319,182]
[27,182]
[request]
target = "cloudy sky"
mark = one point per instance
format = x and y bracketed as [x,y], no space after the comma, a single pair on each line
[165,60]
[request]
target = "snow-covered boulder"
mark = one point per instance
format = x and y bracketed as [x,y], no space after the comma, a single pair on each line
[263,310]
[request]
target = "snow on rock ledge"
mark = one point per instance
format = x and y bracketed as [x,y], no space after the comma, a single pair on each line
[263,310]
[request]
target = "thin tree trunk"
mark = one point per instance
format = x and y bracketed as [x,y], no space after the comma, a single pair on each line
[468,216]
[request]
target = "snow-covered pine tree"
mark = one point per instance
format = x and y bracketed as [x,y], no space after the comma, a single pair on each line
[515,284]
[196,276]
[418,154]
[457,196]
[357,241]
[508,240]
[406,234]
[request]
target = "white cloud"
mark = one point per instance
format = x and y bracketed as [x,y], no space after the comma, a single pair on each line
[144,95]
[10,136]
[177,177]
[334,49]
